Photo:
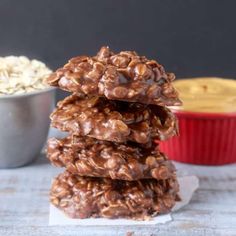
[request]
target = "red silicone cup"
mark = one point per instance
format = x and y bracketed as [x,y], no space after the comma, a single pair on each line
[205,139]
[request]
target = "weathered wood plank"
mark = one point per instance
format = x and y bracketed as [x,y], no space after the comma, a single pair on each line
[24,205]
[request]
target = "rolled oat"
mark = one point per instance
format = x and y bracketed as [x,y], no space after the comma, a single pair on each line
[20,75]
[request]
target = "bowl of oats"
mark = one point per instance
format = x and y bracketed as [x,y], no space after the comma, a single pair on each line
[26,102]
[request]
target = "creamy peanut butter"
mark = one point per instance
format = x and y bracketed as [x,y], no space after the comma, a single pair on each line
[207,94]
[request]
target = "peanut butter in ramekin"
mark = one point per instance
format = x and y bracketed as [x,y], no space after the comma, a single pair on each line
[207,94]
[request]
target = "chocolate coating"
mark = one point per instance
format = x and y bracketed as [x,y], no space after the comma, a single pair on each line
[91,157]
[123,76]
[83,197]
[116,121]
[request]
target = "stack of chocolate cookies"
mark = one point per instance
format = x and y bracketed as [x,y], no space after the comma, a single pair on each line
[117,110]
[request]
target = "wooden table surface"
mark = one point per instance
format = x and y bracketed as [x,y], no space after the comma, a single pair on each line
[24,206]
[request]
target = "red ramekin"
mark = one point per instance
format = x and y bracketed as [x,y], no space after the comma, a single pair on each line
[205,139]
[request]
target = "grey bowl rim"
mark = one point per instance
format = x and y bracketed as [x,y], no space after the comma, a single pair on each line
[29,94]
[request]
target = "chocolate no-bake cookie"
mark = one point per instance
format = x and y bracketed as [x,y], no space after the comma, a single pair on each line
[91,157]
[123,76]
[83,197]
[116,113]
[116,121]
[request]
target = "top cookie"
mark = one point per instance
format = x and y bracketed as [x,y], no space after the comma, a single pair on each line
[123,76]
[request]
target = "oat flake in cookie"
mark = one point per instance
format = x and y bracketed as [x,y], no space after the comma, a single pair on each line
[20,75]
[118,76]
[83,197]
